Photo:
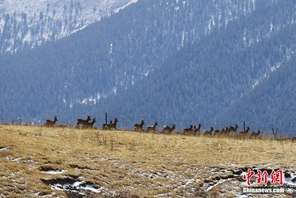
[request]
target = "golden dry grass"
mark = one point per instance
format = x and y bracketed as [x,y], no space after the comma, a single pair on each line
[131,164]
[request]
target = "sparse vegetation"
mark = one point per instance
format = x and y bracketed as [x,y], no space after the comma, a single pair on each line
[131,164]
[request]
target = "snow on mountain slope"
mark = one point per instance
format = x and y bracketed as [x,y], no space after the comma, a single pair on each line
[27,23]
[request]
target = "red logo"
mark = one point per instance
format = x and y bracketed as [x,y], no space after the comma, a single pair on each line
[248,176]
[262,177]
[277,177]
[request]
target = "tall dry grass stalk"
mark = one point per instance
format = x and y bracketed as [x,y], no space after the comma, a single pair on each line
[129,163]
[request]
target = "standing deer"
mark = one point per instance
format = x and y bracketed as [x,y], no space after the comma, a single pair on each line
[197,130]
[168,129]
[188,131]
[50,123]
[254,134]
[90,124]
[233,129]
[82,122]
[111,125]
[152,128]
[139,127]
[209,133]
[244,134]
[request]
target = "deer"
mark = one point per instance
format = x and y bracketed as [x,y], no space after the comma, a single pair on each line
[293,139]
[188,131]
[197,130]
[82,122]
[220,133]
[225,132]
[111,125]
[254,134]
[234,129]
[152,128]
[139,127]
[105,127]
[209,133]
[244,134]
[50,123]
[90,124]
[168,129]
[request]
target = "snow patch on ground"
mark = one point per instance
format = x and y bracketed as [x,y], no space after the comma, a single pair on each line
[191,180]
[54,172]
[76,187]
[4,148]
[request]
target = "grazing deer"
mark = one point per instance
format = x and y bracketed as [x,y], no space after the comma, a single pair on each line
[197,130]
[168,129]
[225,132]
[105,127]
[152,128]
[188,131]
[209,133]
[110,126]
[82,122]
[244,134]
[50,123]
[254,134]
[216,132]
[139,127]
[90,124]
[220,133]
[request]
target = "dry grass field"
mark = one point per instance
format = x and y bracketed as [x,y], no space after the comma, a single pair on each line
[68,162]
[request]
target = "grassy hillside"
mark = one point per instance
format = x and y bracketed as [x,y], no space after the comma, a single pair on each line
[38,161]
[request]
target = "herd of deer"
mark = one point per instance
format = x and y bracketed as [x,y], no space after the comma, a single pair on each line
[230,131]
[85,124]
[192,130]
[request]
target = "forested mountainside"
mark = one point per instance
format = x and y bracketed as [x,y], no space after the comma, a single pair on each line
[177,62]
[271,104]
[213,81]
[24,24]
[110,55]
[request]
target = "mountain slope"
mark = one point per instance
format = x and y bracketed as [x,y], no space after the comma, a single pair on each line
[26,24]
[174,62]
[271,103]
[203,82]
[76,72]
